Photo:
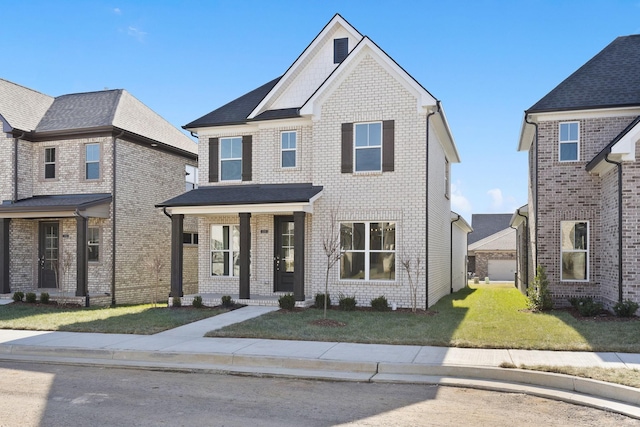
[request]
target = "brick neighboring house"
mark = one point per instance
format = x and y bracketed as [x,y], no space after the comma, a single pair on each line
[79,177]
[583,214]
[337,146]
[492,247]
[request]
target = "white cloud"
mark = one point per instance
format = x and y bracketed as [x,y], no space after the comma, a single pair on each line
[496,198]
[459,203]
[117,11]
[137,33]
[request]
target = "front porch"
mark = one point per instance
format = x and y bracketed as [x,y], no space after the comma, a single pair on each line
[214,299]
[55,295]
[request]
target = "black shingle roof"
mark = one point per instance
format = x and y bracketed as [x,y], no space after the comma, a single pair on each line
[236,111]
[484,225]
[244,194]
[57,202]
[609,79]
[80,111]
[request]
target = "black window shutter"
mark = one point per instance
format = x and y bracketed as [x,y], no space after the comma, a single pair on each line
[347,148]
[340,50]
[388,139]
[246,157]
[213,159]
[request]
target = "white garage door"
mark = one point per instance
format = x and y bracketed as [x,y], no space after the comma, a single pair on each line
[502,269]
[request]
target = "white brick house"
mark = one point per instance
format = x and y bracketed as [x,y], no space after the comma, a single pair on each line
[583,215]
[347,144]
[79,177]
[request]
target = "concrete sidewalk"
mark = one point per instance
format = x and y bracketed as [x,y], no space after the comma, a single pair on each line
[185,348]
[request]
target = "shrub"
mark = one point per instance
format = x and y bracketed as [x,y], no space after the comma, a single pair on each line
[626,308]
[347,303]
[44,298]
[380,304]
[320,300]
[177,302]
[227,302]
[287,302]
[586,306]
[30,297]
[197,302]
[18,296]
[538,296]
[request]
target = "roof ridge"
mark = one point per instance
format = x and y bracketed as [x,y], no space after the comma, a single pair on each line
[27,88]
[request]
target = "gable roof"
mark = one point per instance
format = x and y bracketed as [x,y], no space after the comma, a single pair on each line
[22,108]
[485,225]
[609,79]
[622,147]
[504,240]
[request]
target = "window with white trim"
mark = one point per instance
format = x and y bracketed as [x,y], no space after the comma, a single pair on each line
[574,250]
[49,163]
[368,147]
[225,250]
[368,251]
[191,177]
[93,244]
[231,159]
[92,161]
[569,147]
[288,145]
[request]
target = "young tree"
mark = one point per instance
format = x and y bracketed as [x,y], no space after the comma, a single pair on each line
[154,265]
[331,247]
[538,295]
[413,273]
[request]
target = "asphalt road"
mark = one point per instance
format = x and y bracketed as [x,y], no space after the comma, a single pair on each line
[61,395]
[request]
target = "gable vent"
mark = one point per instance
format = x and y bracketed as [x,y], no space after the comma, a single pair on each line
[340,49]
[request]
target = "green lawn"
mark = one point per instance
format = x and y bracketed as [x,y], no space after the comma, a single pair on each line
[134,319]
[481,316]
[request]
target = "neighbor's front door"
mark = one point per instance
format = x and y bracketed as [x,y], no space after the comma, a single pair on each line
[48,252]
[283,254]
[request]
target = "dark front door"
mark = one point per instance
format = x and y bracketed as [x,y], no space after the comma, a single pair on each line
[48,251]
[283,254]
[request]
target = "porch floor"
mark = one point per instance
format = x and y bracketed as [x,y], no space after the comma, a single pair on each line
[213,299]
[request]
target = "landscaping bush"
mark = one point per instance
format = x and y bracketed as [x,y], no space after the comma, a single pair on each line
[197,302]
[626,308]
[18,296]
[347,303]
[287,302]
[586,306]
[538,295]
[30,297]
[320,301]
[380,304]
[44,298]
[177,302]
[227,302]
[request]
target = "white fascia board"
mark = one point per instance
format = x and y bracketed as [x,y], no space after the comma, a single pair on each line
[626,146]
[267,208]
[444,132]
[35,214]
[321,38]
[281,123]
[229,130]
[314,103]
[518,216]
[527,133]
[460,222]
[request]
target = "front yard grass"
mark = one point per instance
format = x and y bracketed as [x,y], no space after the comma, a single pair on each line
[126,319]
[480,316]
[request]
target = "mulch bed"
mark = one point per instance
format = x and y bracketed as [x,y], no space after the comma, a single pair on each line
[604,316]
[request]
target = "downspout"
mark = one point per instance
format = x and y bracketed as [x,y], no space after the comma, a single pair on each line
[526,247]
[426,213]
[536,209]
[86,290]
[619,167]
[15,166]
[113,225]
[451,251]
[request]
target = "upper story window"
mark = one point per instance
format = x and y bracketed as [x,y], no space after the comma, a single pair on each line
[368,147]
[368,250]
[574,250]
[49,163]
[92,161]
[569,142]
[288,143]
[225,250]
[340,49]
[230,159]
[191,177]
[93,243]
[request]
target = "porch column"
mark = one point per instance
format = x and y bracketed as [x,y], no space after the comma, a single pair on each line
[298,260]
[82,257]
[177,256]
[245,252]
[4,256]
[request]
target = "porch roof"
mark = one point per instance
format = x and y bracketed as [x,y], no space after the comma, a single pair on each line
[58,206]
[254,198]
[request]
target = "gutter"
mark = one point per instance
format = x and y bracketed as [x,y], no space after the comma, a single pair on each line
[451,252]
[619,168]
[525,246]
[426,212]
[535,211]
[15,166]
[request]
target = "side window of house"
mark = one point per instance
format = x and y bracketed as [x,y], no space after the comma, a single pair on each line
[49,163]
[569,147]
[191,177]
[574,250]
[288,146]
[92,161]
[225,250]
[93,243]
[230,159]
[368,251]
[189,238]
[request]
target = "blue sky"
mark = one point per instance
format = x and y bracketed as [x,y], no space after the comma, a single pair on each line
[486,61]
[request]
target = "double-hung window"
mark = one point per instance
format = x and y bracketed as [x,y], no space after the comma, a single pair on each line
[288,144]
[225,250]
[93,243]
[368,147]
[49,163]
[92,161]
[574,250]
[231,159]
[569,147]
[368,251]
